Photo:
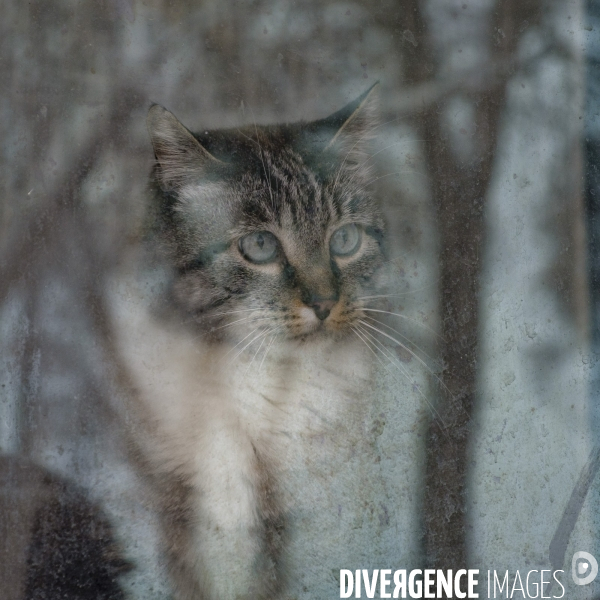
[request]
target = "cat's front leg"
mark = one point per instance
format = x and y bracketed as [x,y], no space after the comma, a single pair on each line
[229,534]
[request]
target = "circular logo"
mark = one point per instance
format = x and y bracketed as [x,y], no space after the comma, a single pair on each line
[584,568]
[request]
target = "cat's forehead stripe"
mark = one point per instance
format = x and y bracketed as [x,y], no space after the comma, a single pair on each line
[298,191]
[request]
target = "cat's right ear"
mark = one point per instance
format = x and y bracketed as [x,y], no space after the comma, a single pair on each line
[179,155]
[347,132]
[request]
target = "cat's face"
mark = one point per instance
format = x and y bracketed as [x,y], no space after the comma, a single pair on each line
[271,230]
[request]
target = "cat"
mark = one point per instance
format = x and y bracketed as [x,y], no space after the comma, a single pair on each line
[244,354]
[56,542]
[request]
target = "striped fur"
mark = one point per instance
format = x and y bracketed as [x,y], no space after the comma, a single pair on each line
[225,380]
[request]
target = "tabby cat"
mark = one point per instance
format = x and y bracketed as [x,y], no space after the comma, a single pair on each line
[240,336]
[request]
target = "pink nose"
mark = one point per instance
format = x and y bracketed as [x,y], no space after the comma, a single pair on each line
[323,308]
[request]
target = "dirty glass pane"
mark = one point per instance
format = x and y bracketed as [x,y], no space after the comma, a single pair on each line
[299,300]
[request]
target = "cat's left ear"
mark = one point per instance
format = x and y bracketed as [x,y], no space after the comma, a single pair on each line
[349,130]
[179,155]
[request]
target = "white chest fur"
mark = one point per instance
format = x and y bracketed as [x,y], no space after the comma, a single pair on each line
[296,390]
[217,419]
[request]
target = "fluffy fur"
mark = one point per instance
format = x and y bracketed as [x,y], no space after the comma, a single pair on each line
[244,371]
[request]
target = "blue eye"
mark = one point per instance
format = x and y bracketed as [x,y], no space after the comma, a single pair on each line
[345,241]
[259,247]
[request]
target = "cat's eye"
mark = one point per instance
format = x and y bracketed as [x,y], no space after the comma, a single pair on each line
[346,240]
[259,247]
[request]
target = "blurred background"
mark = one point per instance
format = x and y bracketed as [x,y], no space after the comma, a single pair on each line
[487,168]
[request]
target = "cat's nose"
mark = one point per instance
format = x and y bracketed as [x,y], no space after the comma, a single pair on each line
[322,308]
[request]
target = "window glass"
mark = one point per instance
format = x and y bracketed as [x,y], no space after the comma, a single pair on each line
[295,293]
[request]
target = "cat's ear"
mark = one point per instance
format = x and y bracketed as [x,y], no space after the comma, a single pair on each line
[179,155]
[349,130]
[356,120]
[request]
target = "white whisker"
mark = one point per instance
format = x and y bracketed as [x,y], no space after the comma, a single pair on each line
[408,350]
[221,314]
[243,320]
[425,287]
[241,341]
[402,336]
[387,312]
[393,361]
[355,330]
[231,312]
[268,348]
[262,333]
[255,354]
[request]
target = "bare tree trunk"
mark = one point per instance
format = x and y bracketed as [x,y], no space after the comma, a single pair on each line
[459,191]
[459,194]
